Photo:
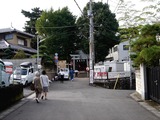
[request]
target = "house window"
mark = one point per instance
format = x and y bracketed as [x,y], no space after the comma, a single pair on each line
[20,42]
[125,47]
[8,36]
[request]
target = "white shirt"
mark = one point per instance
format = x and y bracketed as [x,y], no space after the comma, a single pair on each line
[45,80]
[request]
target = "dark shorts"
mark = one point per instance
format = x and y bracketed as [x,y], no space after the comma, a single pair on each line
[38,90]
[45,89]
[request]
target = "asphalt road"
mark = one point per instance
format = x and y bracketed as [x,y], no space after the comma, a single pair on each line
[78,101]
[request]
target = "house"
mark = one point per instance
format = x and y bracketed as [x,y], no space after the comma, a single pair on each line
[16,40]
[119,52]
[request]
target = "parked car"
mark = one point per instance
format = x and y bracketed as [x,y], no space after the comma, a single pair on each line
[65,72]
[23,74]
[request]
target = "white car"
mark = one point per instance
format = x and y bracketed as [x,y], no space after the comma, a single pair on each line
[65,72]
[22,75]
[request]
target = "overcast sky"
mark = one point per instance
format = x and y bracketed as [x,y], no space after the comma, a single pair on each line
[10,10]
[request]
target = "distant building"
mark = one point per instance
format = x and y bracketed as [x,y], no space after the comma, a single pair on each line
[119,52]
[16,40]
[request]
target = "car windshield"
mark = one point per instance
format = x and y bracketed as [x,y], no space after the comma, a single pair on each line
[20,72]
[23,71]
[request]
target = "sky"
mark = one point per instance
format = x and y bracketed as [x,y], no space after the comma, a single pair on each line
[11,16]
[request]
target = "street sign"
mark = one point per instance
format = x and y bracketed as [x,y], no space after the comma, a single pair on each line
[56,54]
[56,58]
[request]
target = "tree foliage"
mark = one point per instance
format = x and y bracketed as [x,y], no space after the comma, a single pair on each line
[20,55]
[105,28]
[127,14]
[59,30]
[8,53]
[33,16]
[151,12]
[128,33]
[30,24]
[146,47]
[132,17]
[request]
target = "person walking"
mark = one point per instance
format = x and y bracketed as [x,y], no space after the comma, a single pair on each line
[38,86]
[45,83]
[71,74]
[61,74]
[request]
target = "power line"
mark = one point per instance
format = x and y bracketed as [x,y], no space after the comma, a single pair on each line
[60,27]
[78,6]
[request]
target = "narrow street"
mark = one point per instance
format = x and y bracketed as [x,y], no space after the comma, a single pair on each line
[78,101]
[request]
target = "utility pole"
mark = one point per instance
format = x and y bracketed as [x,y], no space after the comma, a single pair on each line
[91,45]
[130,63]
[37,51]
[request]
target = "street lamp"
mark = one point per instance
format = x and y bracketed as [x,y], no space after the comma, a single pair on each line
[38,41]
[130,63]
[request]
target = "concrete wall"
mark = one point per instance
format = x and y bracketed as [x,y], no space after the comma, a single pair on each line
[141,82]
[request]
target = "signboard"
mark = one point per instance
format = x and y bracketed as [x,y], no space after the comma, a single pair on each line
[9,69]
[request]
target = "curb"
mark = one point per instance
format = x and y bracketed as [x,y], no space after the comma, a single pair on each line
[144,104]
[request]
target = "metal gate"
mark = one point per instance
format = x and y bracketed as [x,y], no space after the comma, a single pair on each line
[153,83]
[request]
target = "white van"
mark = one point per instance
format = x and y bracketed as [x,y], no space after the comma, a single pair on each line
[23,74]
[65,72]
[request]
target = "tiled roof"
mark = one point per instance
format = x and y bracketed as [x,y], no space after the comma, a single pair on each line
[19,47]
[5,30]
[82,54]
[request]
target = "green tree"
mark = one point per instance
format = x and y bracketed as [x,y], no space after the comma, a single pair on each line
[127,33]
[146,47]
[59,29]
[30,24]
[33,16]
[20,55]
[105,29]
